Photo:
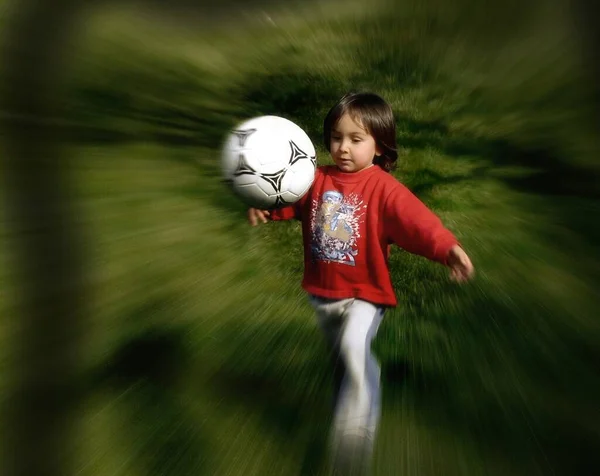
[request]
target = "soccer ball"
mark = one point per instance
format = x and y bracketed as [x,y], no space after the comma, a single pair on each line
[269,162]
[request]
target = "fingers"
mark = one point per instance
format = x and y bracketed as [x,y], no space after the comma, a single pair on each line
[456,276]
[251,217]
[467,267]
[255,215]
[462,270]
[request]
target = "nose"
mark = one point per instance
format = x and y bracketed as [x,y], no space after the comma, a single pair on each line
[344,146]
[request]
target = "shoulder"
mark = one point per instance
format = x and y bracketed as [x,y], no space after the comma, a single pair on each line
[385,176]
[388,182]
[392,191]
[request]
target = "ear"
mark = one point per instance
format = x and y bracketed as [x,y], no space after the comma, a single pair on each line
[378,151]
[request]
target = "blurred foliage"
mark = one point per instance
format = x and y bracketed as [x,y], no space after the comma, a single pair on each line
[202,353]
[518,78]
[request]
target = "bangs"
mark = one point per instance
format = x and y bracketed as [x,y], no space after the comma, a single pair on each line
[374,115]
[357,113]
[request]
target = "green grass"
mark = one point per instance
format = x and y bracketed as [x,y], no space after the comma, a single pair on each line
[201,353]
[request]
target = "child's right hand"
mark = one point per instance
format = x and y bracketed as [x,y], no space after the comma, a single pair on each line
[255,216]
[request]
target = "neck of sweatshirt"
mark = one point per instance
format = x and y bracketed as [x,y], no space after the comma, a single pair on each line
[353,177]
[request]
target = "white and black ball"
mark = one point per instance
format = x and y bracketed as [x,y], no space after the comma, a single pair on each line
[269,162]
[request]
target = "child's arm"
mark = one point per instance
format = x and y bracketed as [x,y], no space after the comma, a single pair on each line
[256,216]
[416,229]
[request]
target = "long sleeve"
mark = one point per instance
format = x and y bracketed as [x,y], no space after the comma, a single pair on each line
[287,213]
[412,226]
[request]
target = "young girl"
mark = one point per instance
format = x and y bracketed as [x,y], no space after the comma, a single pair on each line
[351,215]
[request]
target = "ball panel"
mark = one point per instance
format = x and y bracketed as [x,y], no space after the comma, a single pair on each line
[289,197]
[299,177]
[303,191]
[229,159]
[254,197]
[267,187]
[244,180]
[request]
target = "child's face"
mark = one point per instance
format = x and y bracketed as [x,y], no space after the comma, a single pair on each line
[352,147]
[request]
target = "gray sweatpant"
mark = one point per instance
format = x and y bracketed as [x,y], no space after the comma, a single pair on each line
[349,326]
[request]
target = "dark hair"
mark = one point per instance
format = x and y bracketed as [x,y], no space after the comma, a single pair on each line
[375,115]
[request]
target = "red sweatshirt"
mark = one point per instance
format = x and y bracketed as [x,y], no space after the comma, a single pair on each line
[348,222]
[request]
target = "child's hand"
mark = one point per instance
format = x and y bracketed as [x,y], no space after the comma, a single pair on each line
[460,265]
[255,215]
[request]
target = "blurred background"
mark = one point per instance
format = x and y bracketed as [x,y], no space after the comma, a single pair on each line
[148,330]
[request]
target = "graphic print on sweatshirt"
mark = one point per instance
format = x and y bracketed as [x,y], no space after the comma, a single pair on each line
[335,227]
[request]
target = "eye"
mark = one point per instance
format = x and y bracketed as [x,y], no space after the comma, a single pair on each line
[335,138]
[356,140]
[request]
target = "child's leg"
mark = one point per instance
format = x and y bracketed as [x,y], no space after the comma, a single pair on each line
[357,412]
[330,315]
[349,326]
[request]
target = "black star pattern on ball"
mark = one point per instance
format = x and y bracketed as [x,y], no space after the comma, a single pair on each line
[297,154]
[313,159]
[243,168]
[243,135]
[275,179]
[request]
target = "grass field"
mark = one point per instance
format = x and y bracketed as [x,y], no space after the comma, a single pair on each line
[201,353]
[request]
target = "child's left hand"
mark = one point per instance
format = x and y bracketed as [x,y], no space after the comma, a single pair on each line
[461,268]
